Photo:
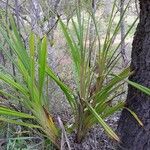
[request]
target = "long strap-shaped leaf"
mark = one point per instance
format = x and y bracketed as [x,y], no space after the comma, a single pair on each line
[19,123]
[140,87]
[32,62]
[14,41]
[9,112]
[67,91]
[42,56]
[11,82]
[100,96]
[73,48]
[104,112]
[108,130]
[135,116]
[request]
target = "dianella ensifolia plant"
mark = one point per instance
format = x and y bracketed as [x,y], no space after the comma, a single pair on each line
[97,84]
[27,87]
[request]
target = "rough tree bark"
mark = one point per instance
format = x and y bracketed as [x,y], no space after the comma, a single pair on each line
[133,136]
[122,28]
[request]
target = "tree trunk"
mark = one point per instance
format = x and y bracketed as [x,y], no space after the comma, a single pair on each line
[133,136]
[122,27]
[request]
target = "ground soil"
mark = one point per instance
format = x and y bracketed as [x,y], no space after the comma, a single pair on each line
[96,138]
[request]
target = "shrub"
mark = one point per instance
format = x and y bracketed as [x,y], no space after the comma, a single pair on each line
[97,85]
[93,66]
[29,87]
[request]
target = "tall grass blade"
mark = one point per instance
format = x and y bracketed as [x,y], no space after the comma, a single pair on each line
[6,111]
[140,87]
[135,116]
[109,131]
[19,123]
[42,56]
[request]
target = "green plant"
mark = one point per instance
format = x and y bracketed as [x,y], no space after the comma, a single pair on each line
[27,87]
[139,87]
[92,101]
[21,143]
[96,84]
